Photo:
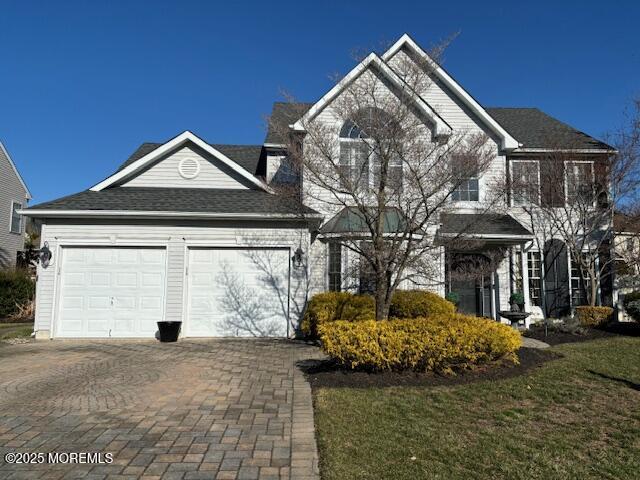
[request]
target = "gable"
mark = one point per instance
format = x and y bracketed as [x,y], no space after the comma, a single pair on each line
[189,170]
[10,177]
[175,170]
[445,95]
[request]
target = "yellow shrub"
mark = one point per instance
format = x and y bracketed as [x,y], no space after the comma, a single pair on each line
[444,343]
[418,303]
[331,306]
[594,316]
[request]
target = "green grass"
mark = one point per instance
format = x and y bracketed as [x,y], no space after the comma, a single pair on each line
[15,330]
[559,422]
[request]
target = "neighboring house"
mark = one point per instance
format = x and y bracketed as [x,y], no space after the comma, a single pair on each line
[627,257]
[14,196]
[186,230]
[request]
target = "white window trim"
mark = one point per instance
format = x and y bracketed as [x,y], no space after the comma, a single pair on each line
[512,162]
[19,232]
[371,161]
[567,163]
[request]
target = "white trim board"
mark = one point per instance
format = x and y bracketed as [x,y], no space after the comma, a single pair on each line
[15,169]
[441,127]
[508,142]
[169,214]
[175,142]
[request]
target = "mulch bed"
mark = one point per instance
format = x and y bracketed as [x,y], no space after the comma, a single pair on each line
[325,373]
[631,329]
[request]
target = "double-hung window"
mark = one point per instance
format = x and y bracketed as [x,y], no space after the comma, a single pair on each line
[580,183]
[534,269]
[580,283]
[355,163]
[335,267]
[525,180]
[465,177]
[16,218]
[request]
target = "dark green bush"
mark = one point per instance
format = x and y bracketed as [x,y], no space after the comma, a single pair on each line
[633,309]
[418,303]
[16,288]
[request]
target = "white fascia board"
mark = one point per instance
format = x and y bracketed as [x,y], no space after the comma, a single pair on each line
[167,147]
[15,170]
[508,142]
[564,150]
[165,214]
[486,236]
[441,127]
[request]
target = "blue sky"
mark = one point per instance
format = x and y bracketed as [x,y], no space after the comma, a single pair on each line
[82,84]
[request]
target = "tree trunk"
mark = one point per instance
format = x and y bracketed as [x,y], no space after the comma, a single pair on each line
[382,297]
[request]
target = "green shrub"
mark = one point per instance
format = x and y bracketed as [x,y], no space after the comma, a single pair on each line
[633,309]
[445,343]
[631,297]
[16,288]
[517,298]
[593,316]
[452,297]
[631,304]
[418,303]
[332,306]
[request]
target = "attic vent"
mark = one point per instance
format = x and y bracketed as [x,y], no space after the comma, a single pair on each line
[189,168]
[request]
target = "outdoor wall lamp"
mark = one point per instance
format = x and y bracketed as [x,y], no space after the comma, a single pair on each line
[45,255]
[298,258]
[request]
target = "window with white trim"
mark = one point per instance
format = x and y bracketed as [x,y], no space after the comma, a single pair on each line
[525,180]
[465,174]
[359,164]
[580,183]
[335,267]
[580,283]
[534,269]
[16,218]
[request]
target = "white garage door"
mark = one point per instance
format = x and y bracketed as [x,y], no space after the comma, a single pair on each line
[111,292]
[238,292]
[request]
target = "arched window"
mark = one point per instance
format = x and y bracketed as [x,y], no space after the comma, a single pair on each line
[360,137]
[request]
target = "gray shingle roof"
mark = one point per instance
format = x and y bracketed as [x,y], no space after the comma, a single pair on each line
[351,220]
[530,126]
[247,156]
[158,199]
[282,115]
[481,224]
[535,129]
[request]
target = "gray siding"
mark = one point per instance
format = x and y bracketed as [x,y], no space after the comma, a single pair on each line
[11,190]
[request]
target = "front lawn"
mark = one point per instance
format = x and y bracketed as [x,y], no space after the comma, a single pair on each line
[575,417]
[9,331]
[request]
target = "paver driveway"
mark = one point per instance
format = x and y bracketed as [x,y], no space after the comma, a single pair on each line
[195,409]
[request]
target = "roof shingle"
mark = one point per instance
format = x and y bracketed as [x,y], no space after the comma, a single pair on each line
[197,200]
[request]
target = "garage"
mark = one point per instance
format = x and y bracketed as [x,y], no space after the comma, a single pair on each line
[238,292]
[111,292]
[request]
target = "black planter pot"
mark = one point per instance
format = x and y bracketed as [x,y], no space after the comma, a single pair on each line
[169,331]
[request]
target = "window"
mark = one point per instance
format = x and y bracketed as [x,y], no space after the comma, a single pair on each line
[335,267]
[465,174]
[359,164]
[534,268]
[525,178]
[16,218]
[580,284]
[580,183]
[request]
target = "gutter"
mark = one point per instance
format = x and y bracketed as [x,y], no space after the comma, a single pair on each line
[166,214]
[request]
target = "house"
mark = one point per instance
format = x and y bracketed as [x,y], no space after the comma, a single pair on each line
[14,196]
[201,233]
[627,257]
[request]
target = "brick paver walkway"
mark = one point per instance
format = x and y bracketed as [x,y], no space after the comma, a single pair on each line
[215,409]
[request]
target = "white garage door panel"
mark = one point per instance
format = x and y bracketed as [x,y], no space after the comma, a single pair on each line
[117,292]
[238,292]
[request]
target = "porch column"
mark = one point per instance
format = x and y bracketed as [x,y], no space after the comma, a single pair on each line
[525,279]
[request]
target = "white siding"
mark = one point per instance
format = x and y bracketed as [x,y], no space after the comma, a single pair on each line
[176,238]
[164,173]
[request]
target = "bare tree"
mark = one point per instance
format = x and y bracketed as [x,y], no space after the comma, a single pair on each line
[579,194]
[380,155]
